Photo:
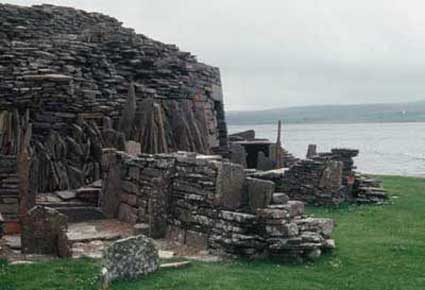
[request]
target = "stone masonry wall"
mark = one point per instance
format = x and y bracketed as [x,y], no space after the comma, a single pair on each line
[9,188]
[326,178]
[206,202]
[73,69]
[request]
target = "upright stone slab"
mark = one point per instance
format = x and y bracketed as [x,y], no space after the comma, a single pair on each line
[264,163]
[44,232]
[238,154]
[130,258]
[112,183]
[1,226]
[260,192]
[331,178]
[311,151]
[229,185]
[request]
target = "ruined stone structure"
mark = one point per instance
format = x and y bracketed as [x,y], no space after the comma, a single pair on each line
[326,178]
[77,90]
[85,82]
[261,154]
[208,202]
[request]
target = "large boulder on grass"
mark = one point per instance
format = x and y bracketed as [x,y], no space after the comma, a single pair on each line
[130,259]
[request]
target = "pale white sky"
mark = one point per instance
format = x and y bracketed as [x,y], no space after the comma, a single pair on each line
[281,53]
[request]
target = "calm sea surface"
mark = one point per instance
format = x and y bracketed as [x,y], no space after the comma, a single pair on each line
[385,148]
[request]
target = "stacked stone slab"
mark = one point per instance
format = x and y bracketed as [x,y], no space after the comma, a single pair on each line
[9,188]
[369,190]
[313,181]
[345,156]
[70,68]
[325,179]
[206,202]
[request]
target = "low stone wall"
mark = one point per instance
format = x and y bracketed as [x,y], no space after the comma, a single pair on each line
[9,188]
[208,203]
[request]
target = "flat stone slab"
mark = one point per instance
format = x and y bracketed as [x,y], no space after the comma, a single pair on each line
[98,230]
[48,77]
[66,194]
[13,241]
[47,198]
[175,265]
[166,254]
[92,249]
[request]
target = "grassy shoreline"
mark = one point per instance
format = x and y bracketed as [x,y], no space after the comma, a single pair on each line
[378,247]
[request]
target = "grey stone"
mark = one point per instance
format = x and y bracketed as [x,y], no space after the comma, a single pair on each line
[130,258]
[259,191]
[280,198]
[66,194]
[44,232]
[229,185]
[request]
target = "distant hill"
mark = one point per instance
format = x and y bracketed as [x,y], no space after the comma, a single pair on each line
[395,112]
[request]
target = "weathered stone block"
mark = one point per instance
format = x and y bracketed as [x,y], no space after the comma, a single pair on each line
[130,258]
[280,198]
[127,213]
[229,185]
[130,199]
[323,226]
[284,230]
[130,187]
[259,191]
[44,232]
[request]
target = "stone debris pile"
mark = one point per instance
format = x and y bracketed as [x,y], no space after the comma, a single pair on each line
[208,203]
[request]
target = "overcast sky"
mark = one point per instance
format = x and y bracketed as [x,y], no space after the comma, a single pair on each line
[282,53]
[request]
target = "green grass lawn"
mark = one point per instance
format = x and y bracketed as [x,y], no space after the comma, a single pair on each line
[378,247]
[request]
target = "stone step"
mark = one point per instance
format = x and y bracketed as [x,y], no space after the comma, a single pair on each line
[65,204]
[80,214]
[105,229]
[90,238]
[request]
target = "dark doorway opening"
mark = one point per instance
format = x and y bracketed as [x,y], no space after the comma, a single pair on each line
[252,151]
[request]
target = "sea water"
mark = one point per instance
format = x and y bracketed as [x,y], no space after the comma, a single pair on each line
[385,148]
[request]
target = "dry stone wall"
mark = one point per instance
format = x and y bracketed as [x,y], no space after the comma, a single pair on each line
[206,202]
[88,81]
[9,187]
[326,178]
